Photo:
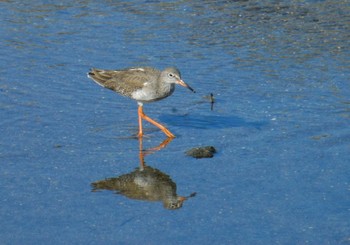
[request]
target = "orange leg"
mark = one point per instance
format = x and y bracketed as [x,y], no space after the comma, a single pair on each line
[142,115]
[140,111]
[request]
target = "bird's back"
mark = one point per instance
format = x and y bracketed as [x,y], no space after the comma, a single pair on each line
[124,81]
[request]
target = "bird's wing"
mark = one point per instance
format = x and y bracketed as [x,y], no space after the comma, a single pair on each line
[124,81]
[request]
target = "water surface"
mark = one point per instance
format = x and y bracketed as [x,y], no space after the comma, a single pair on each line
[279,72]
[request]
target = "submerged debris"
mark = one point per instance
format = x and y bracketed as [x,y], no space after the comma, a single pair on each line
[211,99]
[318,137]
[201,152]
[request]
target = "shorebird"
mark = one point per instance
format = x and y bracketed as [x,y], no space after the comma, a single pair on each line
[143,84]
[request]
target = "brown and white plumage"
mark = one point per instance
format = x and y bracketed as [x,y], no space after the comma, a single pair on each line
[143,84]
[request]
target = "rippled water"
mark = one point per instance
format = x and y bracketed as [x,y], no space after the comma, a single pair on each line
[279,72]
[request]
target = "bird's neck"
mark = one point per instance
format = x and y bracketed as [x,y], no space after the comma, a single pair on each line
[165,88]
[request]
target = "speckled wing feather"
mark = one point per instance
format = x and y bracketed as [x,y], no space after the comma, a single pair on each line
[124,81]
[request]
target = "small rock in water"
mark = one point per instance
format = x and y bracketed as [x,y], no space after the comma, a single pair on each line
[201,152]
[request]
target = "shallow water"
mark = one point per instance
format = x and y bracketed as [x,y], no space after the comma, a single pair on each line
[279,72]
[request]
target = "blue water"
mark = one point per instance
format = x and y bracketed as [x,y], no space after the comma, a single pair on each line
[279,72]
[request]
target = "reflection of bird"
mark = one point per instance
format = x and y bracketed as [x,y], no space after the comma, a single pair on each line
[142,84]
[144,183]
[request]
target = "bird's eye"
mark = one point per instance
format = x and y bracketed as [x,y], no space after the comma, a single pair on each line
[171,75]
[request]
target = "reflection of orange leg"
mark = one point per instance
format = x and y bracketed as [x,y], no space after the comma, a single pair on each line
[159,147]
[141,154]
[142,115]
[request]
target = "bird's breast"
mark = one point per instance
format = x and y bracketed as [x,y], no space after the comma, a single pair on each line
[149,94]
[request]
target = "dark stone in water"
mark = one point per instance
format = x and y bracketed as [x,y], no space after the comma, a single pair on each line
[201,152]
